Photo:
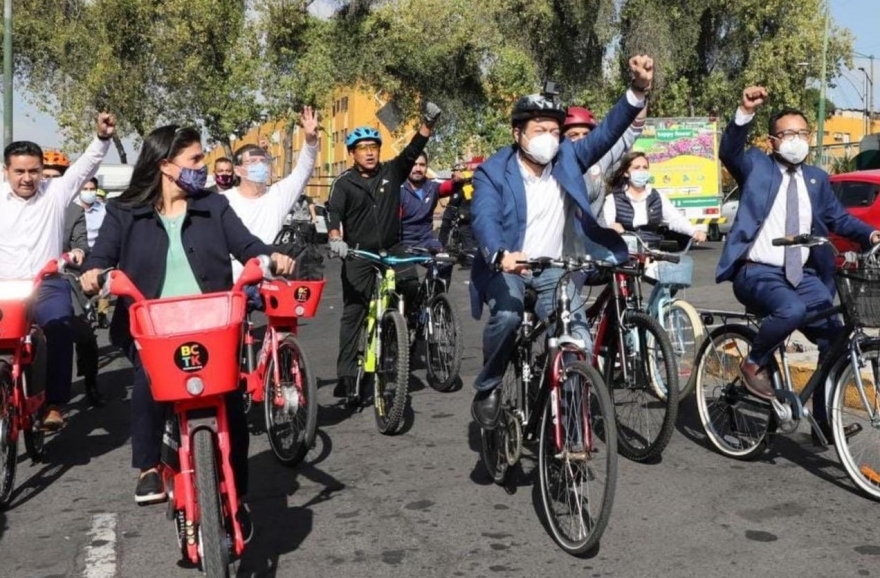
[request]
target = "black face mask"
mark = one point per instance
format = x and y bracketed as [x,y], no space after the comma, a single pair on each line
[224,181]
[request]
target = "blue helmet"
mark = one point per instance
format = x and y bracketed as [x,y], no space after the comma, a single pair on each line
[362,133]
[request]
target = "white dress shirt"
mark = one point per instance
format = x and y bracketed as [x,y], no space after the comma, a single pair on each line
[762,250]
[264,215]
[32,230]
[672,217]
[545,214]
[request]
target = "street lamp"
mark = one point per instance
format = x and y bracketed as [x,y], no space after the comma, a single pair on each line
[869,101]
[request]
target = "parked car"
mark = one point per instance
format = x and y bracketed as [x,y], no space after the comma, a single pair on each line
[858,192]
[729,206]
[322,223]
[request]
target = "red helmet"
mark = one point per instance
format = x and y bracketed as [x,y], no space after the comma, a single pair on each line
[579,116]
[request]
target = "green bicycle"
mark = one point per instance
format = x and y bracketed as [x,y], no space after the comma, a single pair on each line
[383,358]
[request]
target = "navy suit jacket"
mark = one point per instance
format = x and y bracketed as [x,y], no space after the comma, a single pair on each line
[759,180]
[133,239]
[498,208]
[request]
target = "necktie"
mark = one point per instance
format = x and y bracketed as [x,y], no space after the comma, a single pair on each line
[794,267]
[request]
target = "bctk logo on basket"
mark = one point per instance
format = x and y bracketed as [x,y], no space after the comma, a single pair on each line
[191,357]
[302,294]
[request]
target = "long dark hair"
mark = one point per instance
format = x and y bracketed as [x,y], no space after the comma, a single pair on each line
[618,177]
[164,143]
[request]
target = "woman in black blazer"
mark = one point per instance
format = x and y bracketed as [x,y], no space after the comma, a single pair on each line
[171,238]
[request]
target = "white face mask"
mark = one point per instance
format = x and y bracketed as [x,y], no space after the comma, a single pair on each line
[639,177]
[88,197]
[794,150]
[543,148]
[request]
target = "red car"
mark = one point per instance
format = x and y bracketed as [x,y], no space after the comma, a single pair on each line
[859,192]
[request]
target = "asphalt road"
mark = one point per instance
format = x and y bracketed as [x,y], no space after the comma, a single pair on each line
[419,503]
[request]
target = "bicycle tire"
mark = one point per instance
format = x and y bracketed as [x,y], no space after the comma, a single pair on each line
[391,381]
[212,533]
[8,448]
[444,363]
[686,333]
[736,423]
[493,443]
[291,425]
[34,436]
[643,394]
[860,460]
[579,464]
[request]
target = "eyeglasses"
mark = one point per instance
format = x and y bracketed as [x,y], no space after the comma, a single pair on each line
[256,161]
[367,147]
[790,134]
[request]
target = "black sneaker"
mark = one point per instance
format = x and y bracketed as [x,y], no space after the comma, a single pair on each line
[245,523]
[344,387]
[150,488]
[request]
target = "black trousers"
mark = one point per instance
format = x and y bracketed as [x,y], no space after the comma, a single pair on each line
[148,425]
[358,279]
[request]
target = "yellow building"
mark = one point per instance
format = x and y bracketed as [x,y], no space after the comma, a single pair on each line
[843,132]
[349,109]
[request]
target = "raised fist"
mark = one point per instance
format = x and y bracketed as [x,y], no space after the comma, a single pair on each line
[753,97]
[106,125]
[641,67]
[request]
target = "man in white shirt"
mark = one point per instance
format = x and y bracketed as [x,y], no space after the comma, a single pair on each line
[32,211]
[260,207]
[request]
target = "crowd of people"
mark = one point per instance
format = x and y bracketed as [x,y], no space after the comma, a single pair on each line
[567,184]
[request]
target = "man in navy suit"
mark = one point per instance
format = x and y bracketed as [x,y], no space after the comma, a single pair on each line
[781,197]
[530,201]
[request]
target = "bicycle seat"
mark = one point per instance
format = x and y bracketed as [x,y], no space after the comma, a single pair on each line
[530,299]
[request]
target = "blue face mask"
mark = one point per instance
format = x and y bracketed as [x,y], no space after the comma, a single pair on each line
[258,173]
[639,177]
[192,180]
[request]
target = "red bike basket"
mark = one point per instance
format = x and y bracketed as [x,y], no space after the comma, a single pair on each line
[196,336]
[287,300]
[15,300]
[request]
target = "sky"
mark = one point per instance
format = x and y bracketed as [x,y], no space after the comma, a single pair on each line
[862,17]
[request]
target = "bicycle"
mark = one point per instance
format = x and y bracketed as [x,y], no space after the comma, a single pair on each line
[433,320]
[281,378]
[23,351]
[189,349]
[636,358]
[560,399]
[740,425]
[677,317]
[383,357]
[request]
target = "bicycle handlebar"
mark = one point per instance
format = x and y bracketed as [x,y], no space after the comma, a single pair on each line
[659,255]
[384,259]
[807,240]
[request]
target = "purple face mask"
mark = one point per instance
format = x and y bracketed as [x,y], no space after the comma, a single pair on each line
[192,180]
[224,181]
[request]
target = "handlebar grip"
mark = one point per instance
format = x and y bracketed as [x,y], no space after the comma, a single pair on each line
[782,241]
[672,258]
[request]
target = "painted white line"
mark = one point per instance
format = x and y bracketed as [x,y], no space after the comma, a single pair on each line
[101,551]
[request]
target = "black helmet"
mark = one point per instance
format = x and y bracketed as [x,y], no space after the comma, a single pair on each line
[536,105]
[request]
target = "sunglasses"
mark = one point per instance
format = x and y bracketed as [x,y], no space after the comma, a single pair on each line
[367,147]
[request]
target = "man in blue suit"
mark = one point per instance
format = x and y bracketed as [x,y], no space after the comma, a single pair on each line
[530,201]
[781,197]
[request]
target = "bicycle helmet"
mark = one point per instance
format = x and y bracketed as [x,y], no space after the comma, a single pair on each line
[55,158]
[360,134]
[534,106]
[579,116]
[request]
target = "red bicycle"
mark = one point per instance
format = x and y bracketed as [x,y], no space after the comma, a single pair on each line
[23,352]
[282,379]
[189,349]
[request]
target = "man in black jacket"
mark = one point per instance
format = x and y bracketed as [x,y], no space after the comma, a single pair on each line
[365,201]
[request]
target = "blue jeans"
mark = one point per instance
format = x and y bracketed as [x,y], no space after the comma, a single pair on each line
[504,297]
[53,312]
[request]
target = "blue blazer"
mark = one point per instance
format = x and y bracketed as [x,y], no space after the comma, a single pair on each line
[759,179]
[133,239]
[498,208]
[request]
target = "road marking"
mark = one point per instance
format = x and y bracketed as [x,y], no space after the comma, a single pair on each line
[101,551]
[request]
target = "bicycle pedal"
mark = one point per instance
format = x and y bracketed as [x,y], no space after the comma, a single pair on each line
[871,474]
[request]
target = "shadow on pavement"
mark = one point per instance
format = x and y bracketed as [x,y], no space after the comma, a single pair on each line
[279,527]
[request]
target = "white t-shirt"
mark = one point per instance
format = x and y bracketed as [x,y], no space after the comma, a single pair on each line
[545,214]
[264,215]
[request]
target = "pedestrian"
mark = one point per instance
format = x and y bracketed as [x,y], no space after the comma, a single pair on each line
[364,210]
[224,176]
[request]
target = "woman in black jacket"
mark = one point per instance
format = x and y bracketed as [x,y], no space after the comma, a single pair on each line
[172,238]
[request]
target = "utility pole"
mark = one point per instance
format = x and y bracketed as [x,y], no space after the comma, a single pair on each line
[820,131]
[869,90]
[7,72]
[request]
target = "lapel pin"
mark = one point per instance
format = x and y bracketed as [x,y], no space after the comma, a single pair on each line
[812,181]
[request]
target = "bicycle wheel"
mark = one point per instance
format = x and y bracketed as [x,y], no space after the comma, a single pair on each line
[291,408]
[856,410]
[495,449]
[8,448]
[34,376]
[392,372]
[685,330]
[646,399]
[443,344]
[578,483]
[736,422]
[213,548]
